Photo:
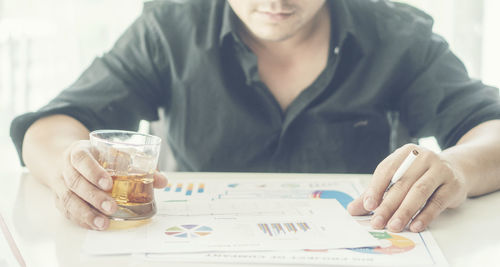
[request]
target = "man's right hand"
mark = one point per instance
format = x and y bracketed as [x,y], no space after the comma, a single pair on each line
[79,182]
[82,196]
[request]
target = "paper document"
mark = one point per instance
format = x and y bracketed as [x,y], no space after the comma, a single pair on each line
[180,190]
[239,225]
[261,220]
[397,249]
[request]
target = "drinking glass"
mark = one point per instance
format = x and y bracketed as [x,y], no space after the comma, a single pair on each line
[131,159]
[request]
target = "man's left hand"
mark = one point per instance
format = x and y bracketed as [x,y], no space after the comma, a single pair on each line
[426,189]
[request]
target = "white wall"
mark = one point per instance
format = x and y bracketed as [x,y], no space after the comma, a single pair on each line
[45,45]
[471,28]
[491,43]
[461,23]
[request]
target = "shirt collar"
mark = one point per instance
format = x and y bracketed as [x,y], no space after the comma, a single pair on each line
[228,23]
[343,24]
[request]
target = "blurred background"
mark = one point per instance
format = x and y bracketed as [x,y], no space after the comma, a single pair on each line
[45,45]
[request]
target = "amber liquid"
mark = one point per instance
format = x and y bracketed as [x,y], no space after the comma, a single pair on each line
[134,196]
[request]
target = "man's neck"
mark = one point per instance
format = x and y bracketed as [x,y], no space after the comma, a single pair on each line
[310,36]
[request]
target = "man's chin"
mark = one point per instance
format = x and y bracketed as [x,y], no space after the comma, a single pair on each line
[274,37]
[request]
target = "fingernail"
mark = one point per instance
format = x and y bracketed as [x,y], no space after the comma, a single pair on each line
[99,222]
[378,222]
[417,226]
[106,205]
[396,225]
[105,184]
[369,204]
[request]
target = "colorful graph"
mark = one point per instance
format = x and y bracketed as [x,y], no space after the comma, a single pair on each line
[178,188]
[394,244]
[277,229]
[343,198]
[188,231]
[201,188]
[187,190]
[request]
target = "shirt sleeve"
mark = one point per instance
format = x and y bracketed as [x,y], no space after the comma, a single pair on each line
[443,101]
[116,91]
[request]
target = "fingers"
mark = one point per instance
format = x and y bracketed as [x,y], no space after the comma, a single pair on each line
[436,204]
[430,182]
[88,192]
[79,212]
[398,192]
[80,194]
[400,207]
[383,174]
[356,207]
[83,161]
[160,181]
[449,195]
[374,193]
[82,169]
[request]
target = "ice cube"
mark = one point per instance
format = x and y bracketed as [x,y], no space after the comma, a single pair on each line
[142,162]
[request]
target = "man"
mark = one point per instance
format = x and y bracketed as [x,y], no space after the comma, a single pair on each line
[279,86]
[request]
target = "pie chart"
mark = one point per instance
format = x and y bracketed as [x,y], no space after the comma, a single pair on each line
[188,231]
[343,198]
[392,244]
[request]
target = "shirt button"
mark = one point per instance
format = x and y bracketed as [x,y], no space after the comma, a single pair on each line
[336,50]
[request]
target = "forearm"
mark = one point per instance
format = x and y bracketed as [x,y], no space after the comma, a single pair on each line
[45,142]
[477,157]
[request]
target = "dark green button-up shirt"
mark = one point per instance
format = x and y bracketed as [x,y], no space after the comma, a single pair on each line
[388,78]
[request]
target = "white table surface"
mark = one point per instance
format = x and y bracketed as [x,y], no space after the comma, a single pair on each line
[468,236]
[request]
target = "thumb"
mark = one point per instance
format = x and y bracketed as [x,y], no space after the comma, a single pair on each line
[356,207]
[160,181]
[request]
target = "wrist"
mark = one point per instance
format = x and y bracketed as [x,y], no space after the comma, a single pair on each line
[458,161]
